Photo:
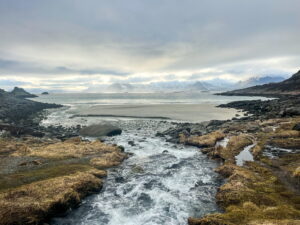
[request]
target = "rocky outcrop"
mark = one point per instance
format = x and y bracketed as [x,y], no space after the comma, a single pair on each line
[21,93]
[14,109]
[286,106]
[16,113]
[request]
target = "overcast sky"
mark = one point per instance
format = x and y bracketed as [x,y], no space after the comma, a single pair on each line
[73,44]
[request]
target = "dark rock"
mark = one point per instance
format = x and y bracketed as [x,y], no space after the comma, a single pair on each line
[21,93]
[297,127]
[120,179]
[293,111]
[131,143]
[99,130]
[45,93]
[19,111]
[121,148]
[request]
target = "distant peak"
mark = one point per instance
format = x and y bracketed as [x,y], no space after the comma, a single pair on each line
[20,92]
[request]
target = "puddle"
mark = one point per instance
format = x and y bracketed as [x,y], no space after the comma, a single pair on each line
[245,155]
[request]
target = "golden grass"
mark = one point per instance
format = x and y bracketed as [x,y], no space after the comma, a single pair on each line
[296,173]
[285,133]
[35,202]
[28,176]
[67,149]
[252,194]
[108,160]
[288,143]
[235,145]
[208,140]
[61,175]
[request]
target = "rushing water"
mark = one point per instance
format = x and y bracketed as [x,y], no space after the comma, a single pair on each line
[160,183]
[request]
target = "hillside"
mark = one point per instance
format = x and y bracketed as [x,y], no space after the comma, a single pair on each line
[253,81]
[290,86]
[14,108]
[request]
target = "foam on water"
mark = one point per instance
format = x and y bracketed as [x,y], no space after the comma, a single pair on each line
[173,183]
[160,184]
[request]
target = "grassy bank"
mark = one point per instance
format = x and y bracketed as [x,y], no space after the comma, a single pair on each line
[265,191]
[41,178]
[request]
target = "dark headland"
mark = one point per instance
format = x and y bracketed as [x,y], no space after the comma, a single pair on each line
[289,87]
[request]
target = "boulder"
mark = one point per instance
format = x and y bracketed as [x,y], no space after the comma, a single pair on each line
[297,127]
[292,111]
[100,130]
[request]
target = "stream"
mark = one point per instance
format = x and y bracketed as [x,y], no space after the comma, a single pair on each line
[161,183]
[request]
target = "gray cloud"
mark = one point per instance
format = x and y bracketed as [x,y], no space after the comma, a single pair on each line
[16,67]
[149,40]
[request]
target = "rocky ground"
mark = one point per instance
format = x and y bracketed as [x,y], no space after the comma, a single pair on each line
[264,189]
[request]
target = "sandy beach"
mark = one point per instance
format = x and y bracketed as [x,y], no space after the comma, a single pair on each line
[181,112]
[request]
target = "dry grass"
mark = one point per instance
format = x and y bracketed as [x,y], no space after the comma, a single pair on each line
[235,145]
[285,133]
[297,172]
[108,160]
[69,149]
[13,180]
[208,140]
[253,194]
[63,173]
[35,202]
[288,143]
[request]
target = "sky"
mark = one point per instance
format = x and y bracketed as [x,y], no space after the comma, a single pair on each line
[71,45]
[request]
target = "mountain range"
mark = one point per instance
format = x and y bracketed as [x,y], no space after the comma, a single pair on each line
[179,86]
[289,86]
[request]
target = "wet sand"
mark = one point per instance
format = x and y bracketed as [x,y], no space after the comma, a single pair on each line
[181,112]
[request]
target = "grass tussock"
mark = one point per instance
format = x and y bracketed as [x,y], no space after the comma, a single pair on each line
[108,160]
[208,140]
[297,172]
[288,143]
[36,202]
[286,134]
[235,145]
